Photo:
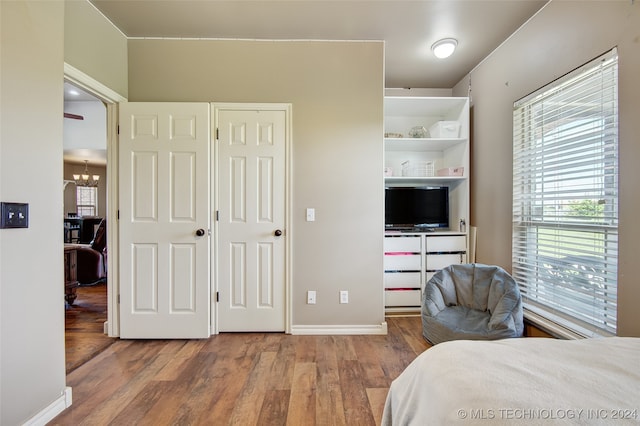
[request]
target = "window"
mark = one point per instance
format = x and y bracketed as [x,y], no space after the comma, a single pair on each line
[565,199]
[87,200]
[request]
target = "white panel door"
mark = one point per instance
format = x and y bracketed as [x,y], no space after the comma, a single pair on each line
[164,220]
[251,203]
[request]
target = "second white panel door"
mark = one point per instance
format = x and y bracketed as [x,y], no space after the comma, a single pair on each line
[251,204]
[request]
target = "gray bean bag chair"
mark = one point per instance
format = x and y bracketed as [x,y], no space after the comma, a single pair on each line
[473,302]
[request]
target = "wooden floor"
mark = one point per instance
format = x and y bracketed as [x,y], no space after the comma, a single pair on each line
[243,379]
[84,326]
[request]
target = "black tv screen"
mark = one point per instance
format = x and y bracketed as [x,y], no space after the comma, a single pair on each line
[416,207]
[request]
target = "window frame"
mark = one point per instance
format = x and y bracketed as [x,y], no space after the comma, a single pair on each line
[80,198]
[557,289]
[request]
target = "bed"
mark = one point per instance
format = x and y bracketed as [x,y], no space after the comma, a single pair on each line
[525,381]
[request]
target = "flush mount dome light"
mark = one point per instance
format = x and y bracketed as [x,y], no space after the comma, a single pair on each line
[444,48]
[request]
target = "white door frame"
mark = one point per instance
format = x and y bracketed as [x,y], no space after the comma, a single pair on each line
[111,99]
[215,181]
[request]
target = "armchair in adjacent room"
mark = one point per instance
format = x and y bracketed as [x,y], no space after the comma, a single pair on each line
[92,258]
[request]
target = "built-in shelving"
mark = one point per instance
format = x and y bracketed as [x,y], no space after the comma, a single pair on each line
[421,144]
[417,180]
[404,280]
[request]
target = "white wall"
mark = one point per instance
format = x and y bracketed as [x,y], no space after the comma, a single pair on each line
[32,368]
[562,36]
[86,139]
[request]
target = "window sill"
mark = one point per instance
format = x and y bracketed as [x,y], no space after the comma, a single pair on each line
[551,327]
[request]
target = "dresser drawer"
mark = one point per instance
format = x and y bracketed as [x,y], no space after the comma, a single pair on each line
[446,244]
[397,298]
[402,262]
[438,261]
[402,280]
[402,244]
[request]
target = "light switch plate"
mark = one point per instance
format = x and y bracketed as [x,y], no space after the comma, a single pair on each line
[311,297]
[311,215]
[14,215]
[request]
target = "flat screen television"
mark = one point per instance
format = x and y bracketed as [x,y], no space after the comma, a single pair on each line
[415,208]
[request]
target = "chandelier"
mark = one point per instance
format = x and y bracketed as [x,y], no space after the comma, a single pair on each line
[83,179]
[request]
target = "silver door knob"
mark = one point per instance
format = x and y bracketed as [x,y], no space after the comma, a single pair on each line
[277,233]
[200,232]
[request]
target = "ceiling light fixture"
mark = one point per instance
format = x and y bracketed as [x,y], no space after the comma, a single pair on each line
[83,180]
[444,48]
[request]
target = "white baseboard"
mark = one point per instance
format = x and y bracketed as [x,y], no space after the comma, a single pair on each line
[339,329]
[55,408]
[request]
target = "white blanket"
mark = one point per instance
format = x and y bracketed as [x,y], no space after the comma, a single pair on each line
[520,381]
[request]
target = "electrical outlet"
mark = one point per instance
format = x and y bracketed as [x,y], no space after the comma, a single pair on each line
[311,297]
[344,296]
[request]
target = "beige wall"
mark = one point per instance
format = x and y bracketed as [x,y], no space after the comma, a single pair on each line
[564,35]
[32,369]
[94,46]
[336,89]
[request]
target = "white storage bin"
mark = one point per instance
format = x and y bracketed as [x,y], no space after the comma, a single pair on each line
[417,168]
[399,262]
[440,244]
[451,171]
[435,262]
[445,129]
[402,280]
[402,244]
[402,298]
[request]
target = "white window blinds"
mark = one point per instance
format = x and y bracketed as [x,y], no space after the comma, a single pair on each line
[565,198]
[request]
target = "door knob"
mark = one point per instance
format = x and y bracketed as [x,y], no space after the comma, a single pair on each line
[277,233]
[200,232]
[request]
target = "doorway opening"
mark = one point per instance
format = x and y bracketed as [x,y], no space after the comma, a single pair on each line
[93,167]
[84,225]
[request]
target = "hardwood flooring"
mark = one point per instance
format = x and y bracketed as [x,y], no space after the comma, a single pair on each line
[243,379]
[84,326]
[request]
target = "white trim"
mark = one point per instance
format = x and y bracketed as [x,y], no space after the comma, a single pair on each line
[49,413]
[288,220]
[555,329]
[91,85]
[113,230]
[107,19]
[266,40]
[380,329]
[111,99]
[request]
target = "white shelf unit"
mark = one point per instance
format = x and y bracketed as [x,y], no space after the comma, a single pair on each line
[404,283]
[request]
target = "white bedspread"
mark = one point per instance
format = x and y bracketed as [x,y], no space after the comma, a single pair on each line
[520,381]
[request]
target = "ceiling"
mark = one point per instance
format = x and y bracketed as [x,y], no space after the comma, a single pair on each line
[92,149]
[408,27]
